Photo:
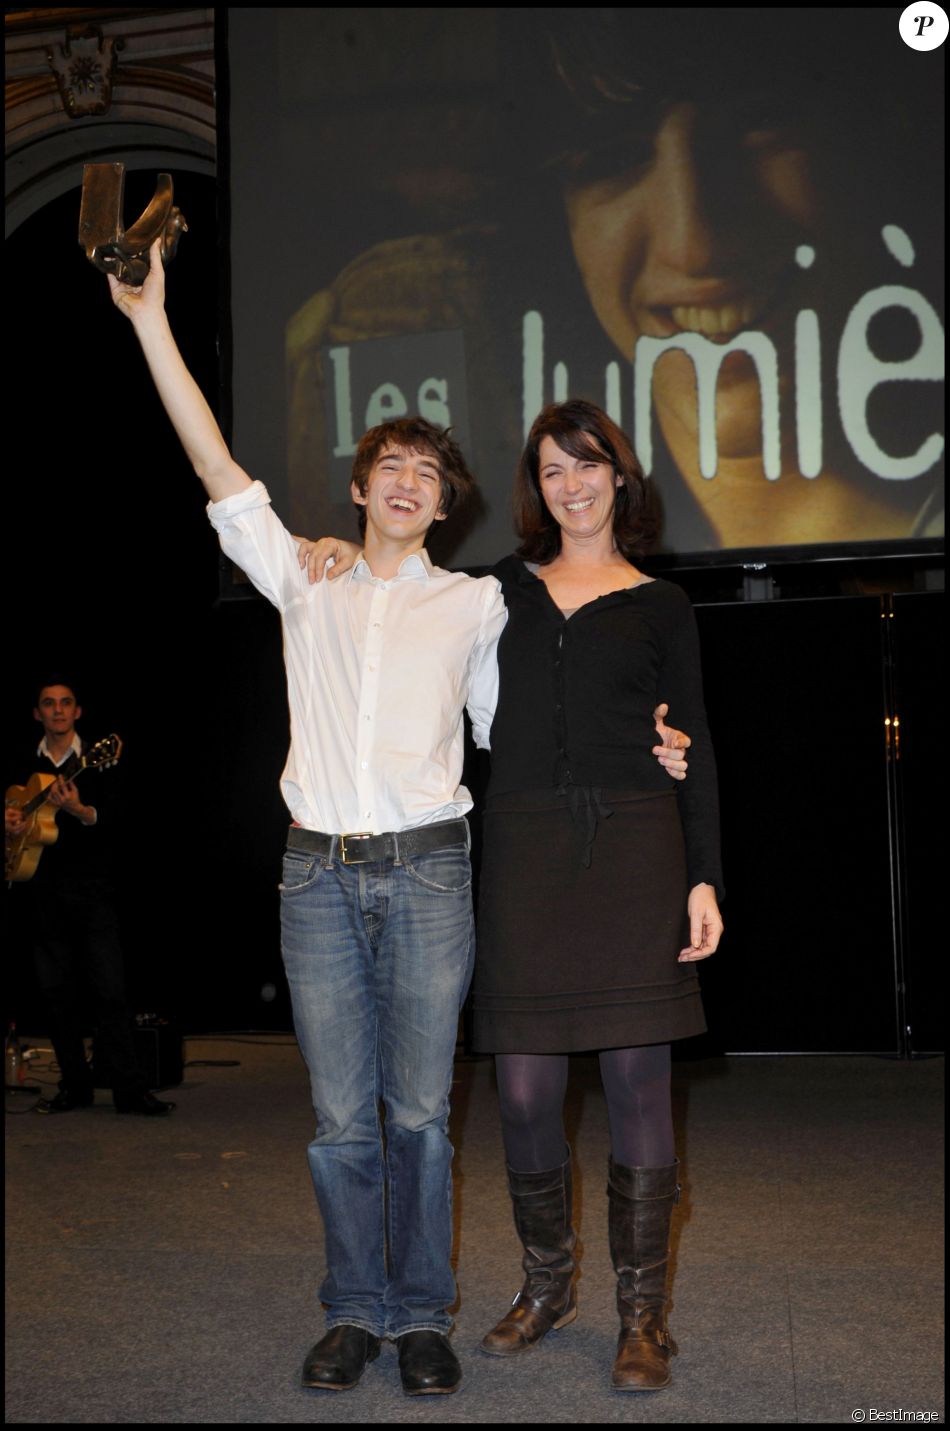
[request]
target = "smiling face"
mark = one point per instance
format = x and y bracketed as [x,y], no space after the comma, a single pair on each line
[578,477]
[579,492]
[402,496]
[698,234]
[57,711]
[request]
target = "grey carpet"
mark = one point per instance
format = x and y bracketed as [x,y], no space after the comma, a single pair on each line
[165,1270]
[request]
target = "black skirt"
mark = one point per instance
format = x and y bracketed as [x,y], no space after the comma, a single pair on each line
[582,913]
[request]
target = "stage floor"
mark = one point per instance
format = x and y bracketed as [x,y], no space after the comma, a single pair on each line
[165,1270]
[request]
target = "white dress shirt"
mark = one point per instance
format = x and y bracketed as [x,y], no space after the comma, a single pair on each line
[378,675]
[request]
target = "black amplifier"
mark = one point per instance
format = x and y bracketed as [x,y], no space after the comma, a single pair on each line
[160,1049]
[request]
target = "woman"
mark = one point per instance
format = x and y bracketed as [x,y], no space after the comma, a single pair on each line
[588,858]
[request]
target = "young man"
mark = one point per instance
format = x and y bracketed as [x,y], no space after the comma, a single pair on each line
[77,951]
[377,929]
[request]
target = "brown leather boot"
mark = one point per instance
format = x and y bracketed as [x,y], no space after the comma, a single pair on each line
[542,1208]
[640,1209]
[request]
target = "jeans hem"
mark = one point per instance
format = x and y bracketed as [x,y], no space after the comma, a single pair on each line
[443,1328]
[341,1321]
[354,1321]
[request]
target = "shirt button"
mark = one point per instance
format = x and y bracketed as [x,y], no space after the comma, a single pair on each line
[363,764]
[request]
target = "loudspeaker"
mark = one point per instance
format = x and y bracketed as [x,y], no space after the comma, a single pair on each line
[159,1045]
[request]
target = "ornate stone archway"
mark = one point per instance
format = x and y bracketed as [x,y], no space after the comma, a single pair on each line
[82,85]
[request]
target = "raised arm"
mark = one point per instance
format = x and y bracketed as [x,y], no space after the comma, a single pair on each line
[183,400]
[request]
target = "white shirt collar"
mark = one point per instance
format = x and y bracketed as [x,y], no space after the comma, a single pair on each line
[75,749]
[415,567]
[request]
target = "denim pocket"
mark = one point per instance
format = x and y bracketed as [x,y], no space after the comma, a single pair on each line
[300,871]
[447,871]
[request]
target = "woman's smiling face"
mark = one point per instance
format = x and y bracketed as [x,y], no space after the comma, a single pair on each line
[698,235]
[579,492]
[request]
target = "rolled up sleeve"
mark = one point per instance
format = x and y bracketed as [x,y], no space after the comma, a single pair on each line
[255,539]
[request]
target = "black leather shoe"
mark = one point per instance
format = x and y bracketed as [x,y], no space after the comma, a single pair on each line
[427,1364]
[66,1100]
[339,1359]
[146,1104]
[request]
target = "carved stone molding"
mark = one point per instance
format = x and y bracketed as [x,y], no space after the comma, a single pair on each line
[136,85]
[84,69]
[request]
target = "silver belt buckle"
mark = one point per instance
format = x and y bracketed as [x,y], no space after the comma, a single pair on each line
[356,859]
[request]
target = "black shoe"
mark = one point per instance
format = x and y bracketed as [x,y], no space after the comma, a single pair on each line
[427,1364]
[339,1359]
[145,1103]
[66,1100]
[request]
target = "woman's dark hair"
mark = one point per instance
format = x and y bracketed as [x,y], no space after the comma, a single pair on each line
[583,430]
[415,434]
[590,80]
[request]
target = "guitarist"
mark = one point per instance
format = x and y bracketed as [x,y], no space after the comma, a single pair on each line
[72,914]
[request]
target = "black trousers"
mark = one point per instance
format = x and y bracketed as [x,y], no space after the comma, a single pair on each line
[80,971]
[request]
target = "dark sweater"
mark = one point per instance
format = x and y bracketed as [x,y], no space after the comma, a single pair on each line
[577,694]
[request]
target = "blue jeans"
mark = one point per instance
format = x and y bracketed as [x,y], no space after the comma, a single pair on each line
[379,959]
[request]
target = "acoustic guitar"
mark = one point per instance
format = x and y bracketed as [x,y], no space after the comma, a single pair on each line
[22,851]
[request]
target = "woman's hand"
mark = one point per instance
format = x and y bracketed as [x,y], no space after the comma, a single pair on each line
[330,556]
[705,924]
[674,743]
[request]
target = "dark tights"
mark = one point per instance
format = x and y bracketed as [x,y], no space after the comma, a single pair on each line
[531,1088]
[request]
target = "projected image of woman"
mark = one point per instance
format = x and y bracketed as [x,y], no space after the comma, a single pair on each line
[682,192]
[712,190]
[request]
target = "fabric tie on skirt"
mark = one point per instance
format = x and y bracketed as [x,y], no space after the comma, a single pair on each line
[588,808]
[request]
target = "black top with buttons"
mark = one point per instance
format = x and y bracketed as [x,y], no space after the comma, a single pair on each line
[577,694]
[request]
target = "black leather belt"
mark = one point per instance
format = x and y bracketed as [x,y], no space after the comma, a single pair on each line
[362,849]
